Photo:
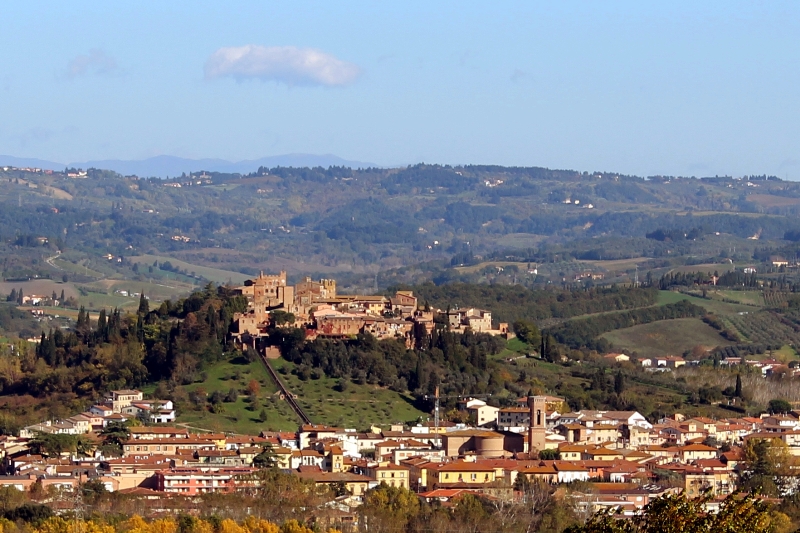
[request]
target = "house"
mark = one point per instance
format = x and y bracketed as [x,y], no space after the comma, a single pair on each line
[165,446]
[484,414]
[513,417]
[444,495]
[123,398]
[464,473]
[778,261]
[391,474]
[616,357]
[196,481]
[693,452]
[670,361]
[101,410]
[155,432]
[355,484]
[307,457]
[569,472]
[545,472]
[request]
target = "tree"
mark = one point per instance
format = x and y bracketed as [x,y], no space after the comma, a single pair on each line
[253,387]
[677,513]
[265,459]
[738,391]
[389,508]
[619,382]
[11,498]
[527,332]
[113,435]
[144,305]
[769,467]
[779,406]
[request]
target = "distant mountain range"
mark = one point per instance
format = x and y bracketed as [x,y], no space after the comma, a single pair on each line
[163,166]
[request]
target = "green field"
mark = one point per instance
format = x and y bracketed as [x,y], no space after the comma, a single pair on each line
[754,298]
[523,267]
[239,416]
[665,337]
[357,407]
[712,306]
[708,267]
[212,274]
[76,268]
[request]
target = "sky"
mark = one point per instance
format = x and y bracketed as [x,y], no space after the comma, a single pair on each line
[670,88]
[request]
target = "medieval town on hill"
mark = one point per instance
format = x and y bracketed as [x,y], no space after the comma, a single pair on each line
[132,445]
[316,307]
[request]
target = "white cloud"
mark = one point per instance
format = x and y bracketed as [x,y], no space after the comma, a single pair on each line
[287,64]
[96,62]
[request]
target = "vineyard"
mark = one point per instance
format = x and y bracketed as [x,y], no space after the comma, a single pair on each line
[776,298]
[765,327]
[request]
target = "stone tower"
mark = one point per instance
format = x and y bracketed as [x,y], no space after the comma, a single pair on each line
[536,432]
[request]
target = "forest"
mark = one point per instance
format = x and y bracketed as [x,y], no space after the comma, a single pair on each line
[120,350]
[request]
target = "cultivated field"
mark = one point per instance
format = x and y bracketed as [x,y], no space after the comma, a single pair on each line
[665,337]
[769,200]
[213,274]
[712,306]
[523,267]
[709,268]
[42,287]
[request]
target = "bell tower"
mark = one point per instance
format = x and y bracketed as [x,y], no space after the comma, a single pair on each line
[538,425]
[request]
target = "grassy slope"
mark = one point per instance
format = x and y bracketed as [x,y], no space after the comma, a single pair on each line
[670,337]
[712,306]
[665,337]
[213,274]
[357,407]
[241,416]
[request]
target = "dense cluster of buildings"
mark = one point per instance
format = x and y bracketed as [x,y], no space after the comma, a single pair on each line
[623,457]
[317,307]
[120,406]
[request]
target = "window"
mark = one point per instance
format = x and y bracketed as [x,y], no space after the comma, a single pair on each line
[473,477]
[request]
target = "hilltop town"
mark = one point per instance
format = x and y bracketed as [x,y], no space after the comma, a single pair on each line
[316,307]
[612,459]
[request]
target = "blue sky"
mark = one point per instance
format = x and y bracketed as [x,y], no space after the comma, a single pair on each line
[635,87]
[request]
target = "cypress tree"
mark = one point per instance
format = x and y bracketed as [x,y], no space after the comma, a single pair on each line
[144,306]
[619,383]
[102,323]
[738,392]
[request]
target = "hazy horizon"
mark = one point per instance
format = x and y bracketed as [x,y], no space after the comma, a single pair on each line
[644,89]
